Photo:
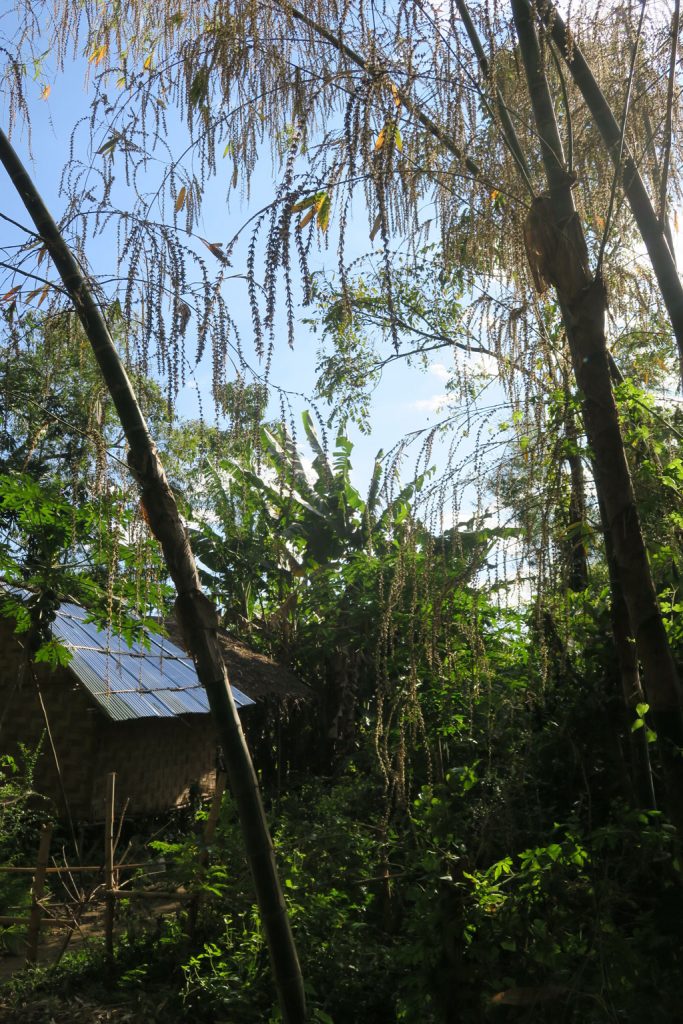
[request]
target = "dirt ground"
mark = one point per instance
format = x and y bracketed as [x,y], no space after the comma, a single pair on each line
[54,1009]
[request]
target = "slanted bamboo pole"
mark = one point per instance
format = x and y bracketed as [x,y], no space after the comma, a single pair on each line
[196,615]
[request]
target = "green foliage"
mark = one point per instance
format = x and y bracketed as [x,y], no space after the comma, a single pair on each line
[22,813]
[363,330]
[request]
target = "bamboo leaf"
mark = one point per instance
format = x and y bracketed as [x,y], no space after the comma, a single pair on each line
[98,54]
[308,218]
[376,226]
[46,92]
[200,87]
[304,203]
[109,146]
[324,212]
[180,201]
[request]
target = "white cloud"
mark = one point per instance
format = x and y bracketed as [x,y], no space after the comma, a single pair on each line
[481,363]
[439,370]
[433,404]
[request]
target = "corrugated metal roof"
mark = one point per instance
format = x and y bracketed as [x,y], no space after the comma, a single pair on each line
[134,681]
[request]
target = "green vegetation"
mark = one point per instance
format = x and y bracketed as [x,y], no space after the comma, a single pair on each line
[477,817]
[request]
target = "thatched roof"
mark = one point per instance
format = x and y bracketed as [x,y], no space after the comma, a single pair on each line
[255,674]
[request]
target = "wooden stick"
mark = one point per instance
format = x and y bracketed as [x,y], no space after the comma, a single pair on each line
[150,894]
[46,922]
[109,865]
[37,891]
[57,870]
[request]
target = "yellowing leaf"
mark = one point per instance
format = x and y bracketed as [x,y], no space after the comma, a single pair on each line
[308,218]
[98,54]
[676,220]
[43,293]
[391,132]
[376,226]
[180,201]
[528,996]
[216,249]
[148,62]
[109,146]
[317,205]
[395,94]
[600,221]
[303,204]
[11,293]
[323,209]
[46,92]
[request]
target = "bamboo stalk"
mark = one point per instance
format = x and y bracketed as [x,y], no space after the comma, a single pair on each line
[55,869]
[37,892]
[651,228]
[583,303]
[196,615]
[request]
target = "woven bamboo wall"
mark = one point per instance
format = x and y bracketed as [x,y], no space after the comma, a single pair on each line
[71,717]
[156,760]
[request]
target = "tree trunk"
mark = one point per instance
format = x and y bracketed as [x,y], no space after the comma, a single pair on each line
[196,615]
[577,528]
[629,676]
[651,228]
[559,256]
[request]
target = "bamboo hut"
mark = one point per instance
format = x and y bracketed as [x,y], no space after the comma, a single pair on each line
[137,709]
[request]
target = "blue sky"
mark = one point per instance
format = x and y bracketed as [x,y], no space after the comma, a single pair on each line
[407,399]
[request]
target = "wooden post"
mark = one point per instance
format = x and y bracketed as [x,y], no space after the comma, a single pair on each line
[109,865]
[37,891]
[207,835]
